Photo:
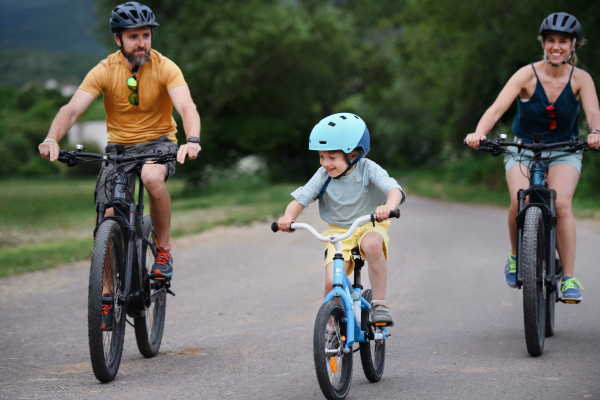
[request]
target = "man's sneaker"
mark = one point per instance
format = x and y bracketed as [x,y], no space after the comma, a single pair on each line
[163,267]
[510,271]
[108,314]
[570,288]
[379,313]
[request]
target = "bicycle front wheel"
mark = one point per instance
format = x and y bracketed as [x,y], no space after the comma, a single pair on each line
[534,279]
[107,274]
[332,365]
[149,327]
[372,353]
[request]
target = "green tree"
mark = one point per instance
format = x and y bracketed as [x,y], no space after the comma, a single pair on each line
[264,72]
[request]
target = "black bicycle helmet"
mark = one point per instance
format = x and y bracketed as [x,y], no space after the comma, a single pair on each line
[131,15]
[562,23]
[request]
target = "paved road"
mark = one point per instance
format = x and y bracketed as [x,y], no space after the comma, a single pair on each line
[241,324]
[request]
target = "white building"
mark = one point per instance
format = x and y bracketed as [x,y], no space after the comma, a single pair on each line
[89,132]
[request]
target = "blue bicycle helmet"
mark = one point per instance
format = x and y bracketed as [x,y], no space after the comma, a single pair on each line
[342,131]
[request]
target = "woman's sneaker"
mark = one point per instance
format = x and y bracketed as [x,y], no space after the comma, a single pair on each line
[163,267]
[108,315]
[379,313]
[570,288]
[510,271]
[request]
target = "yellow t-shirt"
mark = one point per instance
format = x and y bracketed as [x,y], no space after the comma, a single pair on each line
[153,117]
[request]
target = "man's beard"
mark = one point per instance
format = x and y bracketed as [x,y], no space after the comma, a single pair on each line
[137,60]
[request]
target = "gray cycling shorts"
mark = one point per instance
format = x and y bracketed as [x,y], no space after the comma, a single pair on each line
[102,193]
[550,158]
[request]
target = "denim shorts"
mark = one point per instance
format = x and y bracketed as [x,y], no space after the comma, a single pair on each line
[103,193]
[549,158]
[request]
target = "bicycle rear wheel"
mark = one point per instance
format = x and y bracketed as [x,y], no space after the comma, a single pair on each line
[372,353]
[107,274]
[149,327]
[551,300]
[534,276]
[332,365]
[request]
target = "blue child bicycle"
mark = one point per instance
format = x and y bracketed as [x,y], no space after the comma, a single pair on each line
[338,327]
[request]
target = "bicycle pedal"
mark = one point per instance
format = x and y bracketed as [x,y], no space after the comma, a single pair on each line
[378,323]
[160,278]
[567,301]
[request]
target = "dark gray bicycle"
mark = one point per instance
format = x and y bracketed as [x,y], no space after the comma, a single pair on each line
[124,253]
[538,267]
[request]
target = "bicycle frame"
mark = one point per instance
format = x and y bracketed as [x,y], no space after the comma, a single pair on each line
[352,302]
[134,238]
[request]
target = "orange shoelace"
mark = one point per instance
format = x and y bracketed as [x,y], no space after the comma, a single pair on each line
[105,309]
[163,253]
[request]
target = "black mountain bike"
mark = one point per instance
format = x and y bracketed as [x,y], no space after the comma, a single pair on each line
[538,267]
[124,252]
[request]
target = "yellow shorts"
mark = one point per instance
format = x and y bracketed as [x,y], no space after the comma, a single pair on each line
[355,241]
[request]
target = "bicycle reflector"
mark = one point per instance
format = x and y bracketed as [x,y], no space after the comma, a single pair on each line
[333,364]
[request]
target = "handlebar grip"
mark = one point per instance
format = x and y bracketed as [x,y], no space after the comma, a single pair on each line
[274,227]
[395,213]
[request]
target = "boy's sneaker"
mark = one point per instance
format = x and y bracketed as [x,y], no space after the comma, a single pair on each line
[163,267]
[510,271]
[108,315]
[570,288]
[380,313]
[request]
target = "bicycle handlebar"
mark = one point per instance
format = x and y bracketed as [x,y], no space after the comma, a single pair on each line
[497,147]
[76,157]
[333,238]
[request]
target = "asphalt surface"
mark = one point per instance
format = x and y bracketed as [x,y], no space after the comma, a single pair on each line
[241,324]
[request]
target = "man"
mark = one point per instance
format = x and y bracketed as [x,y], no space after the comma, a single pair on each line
[140,88]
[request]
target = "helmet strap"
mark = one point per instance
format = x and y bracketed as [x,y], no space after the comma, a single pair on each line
[350,164]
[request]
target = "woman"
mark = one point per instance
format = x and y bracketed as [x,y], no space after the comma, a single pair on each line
[548,94]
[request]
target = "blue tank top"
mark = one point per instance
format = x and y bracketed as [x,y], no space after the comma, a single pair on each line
[532,118]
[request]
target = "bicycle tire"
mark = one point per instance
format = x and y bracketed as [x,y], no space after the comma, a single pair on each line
[149,327]
[334,376]
[534,274]
[372,353]
[551,301]
[106,347]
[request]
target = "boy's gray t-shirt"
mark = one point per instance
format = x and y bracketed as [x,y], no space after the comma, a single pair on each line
[349,197]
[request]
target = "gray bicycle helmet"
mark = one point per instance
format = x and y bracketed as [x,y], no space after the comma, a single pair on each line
[131,15]
[564,24]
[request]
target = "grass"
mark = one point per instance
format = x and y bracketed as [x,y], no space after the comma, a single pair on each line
[44,223]
[428,183]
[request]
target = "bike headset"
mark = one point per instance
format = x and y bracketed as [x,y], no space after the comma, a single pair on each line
[564,24]
[130,15]
[342,131]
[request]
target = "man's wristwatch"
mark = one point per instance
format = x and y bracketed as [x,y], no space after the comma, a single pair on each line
[596,131]
[194,139]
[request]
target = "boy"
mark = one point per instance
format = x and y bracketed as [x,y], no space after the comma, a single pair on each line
[350,186]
